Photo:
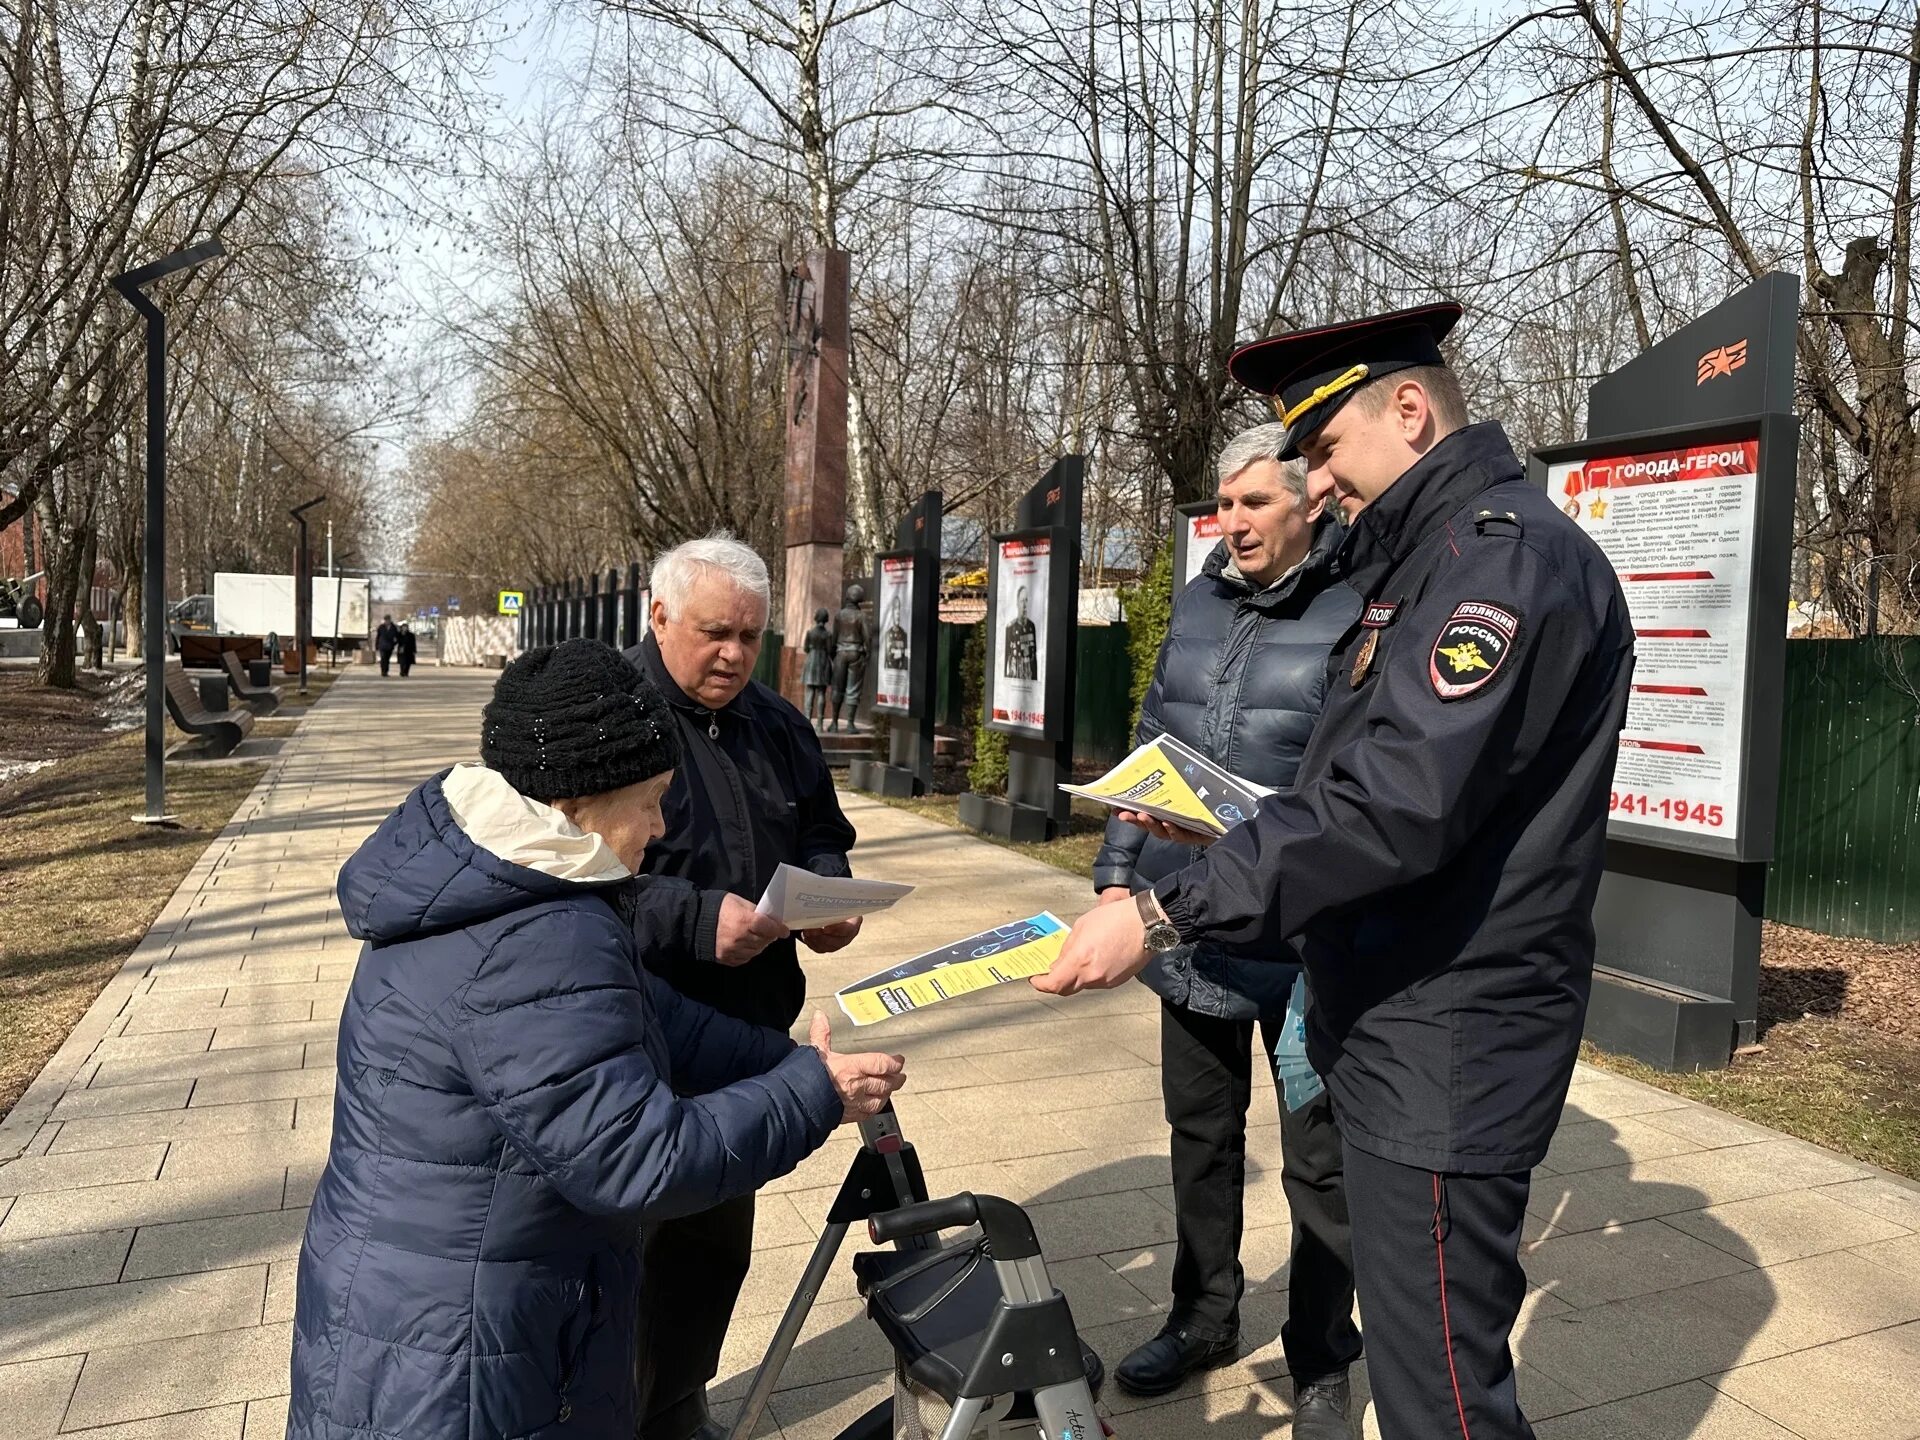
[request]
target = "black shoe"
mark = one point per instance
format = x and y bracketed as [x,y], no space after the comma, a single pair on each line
[712,1430]
[1320,1409]
[1169,1358]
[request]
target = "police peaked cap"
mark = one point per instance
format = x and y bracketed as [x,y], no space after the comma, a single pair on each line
[1312,373]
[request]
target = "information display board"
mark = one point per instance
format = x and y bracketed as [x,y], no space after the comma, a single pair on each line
[1683,518]
[1022,586]
[893,604]
[1679,526]
[1196,531]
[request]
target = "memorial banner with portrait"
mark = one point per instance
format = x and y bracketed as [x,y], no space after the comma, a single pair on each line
[893,608]
[1023,577]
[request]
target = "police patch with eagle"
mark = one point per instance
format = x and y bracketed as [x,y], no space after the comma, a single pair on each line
[1471,648]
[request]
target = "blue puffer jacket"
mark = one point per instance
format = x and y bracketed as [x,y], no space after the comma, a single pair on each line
[1241,677]
[506,1115]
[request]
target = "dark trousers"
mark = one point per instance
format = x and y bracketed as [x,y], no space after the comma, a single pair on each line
[693,1270]
[1440,1279]
[386,659]
[1206,1077]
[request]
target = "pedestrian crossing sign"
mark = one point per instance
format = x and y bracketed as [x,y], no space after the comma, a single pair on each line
[511,601]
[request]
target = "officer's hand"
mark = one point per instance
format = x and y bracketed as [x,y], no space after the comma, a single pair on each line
[1114,894]
[744,932]
[1107,947]
[865,1082]
[1178,834]
[828,938]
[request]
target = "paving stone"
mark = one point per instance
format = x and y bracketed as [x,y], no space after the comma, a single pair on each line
[1708,1128]
[34,1174]
[1611,1098]
[1856,1389]
[1593,1267]
[1902,1254]
[235,1037]
[149,1020]
[1889,1198]
[67,1322]
[123,1100]
[133,1382]
[1770,1229]
[265,1085]
[234,1240]
[151,1202]
[33,1396]
[159,1042]
[1692,1411]
[267,1419]
[1093,1225]
[120,1130]
[281,1276]
[246,1152]
[222,1422]
[212,1062]
[1608,1352]
[1596,1144]
[62,1262]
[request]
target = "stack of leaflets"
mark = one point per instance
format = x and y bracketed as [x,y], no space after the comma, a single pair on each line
[979,962]
[1176,783]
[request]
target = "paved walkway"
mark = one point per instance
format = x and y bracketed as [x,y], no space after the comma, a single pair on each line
[1694,1275]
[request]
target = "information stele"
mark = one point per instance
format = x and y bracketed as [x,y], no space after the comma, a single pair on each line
[1203,533]
[893,690]
[511,601]
[1679,527]
[1023,575]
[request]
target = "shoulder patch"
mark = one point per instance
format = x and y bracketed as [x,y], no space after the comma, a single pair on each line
[1471,648]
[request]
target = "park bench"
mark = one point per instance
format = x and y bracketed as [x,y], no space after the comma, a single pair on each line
[260,699]
[223,731]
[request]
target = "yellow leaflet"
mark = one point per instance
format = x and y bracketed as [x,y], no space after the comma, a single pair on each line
[1148,777]
[867,1004]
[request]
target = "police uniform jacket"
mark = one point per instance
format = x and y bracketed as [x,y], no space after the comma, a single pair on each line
[752,790]
[1241,678]
[1442,848]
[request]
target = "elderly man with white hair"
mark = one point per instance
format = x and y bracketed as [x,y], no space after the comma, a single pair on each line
[752,790]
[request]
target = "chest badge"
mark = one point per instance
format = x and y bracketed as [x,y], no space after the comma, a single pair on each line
[1363,660]
[1376,617]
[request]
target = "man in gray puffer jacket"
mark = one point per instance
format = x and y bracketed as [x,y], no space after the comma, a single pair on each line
[1241,677]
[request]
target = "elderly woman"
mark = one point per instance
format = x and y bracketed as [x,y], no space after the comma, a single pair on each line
[517,1093]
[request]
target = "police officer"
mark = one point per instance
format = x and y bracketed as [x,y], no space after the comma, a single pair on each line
[1438,856]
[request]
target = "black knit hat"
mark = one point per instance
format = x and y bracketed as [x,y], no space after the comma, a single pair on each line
[576,719]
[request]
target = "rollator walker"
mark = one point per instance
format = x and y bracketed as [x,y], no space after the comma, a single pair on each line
[984,1345]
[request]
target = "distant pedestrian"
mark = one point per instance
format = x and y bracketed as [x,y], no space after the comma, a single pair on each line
[408,645]
[385,640]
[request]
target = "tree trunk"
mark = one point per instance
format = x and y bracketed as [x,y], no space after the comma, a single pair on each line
[63,549]
[89,564]
[132,578]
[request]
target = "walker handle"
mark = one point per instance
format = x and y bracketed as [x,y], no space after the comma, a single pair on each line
[1008,1231]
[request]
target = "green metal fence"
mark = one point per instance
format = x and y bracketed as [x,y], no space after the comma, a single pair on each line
[1844,861]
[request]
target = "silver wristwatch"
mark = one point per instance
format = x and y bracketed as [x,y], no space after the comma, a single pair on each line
[1161,936]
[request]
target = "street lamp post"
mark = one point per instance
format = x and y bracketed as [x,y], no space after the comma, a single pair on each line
[303,588]
[130,285]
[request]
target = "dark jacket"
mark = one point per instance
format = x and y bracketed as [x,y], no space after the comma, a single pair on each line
[386,637]
[503,1122]
[408,644]
[1442,847]
[752,790]
[1241,677]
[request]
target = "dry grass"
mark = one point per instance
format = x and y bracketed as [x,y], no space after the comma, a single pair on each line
[80,883]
